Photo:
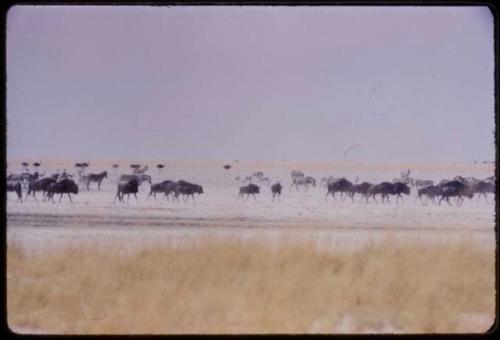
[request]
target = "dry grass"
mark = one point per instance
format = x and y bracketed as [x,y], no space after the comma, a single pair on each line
[232,287]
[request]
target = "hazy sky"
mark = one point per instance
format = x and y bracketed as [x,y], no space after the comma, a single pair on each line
[404,83]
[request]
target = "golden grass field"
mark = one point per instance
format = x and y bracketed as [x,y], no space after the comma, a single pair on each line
[219,286]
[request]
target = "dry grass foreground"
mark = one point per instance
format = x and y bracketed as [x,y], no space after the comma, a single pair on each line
[234,287]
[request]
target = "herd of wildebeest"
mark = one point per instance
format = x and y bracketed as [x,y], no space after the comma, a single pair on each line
[128,184]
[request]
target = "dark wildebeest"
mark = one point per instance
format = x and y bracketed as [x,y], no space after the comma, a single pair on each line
[40,185]
[126,188]
[158,188]
[429,192]
[343,186]
[187,189]
[139,178]
[250,189]
[455,189]
[383,189]
[361,189]
[483,188]
[276,190]
[398,189]
[66,186]
[14,186]
[169,189]
[98,178]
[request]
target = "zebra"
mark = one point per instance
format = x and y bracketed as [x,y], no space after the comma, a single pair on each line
[299,181]
[98,178]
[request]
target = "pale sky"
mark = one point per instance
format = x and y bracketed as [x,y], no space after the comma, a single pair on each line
[251,83]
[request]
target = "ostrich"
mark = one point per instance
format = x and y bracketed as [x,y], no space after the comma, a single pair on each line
[160,168]
[115,168]
[36,165]
[226,169]
[25,166]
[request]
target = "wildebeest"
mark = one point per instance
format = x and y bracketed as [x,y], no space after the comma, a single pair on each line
[158,188]
[66,186]
[361,189]
[14,186]
[276,190]
[483,188]
[98,178]
[299,181]
[187,189]
[429,192]
[40,185]
[342,185]
[264,180]
[126,188]
[250,189]
[386,188]
[455,189]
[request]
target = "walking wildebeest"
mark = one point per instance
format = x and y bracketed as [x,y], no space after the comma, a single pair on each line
[398,189]
[66,186]
[276,190]
[187,189]
[250,189]
[455,189]
[158,188]
[483,188]
[40,185]
[299,181]
[139,178]
[430,192]
[126,188]
[343,186]
[14,186]
[383,189]
[361,189]
[98,178]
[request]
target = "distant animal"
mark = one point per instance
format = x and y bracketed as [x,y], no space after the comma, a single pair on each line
[483,188]
[276,190]
[258,174]
[139,178]
[250,189]
[140,171]
[66,186]
[361,189]
[187,190]
[296,173]
[383,189]
[158,188]
[429,192]
[14,186]
[343,186]
[40,185]
[265,180]
[126,188]
[455,189]
[299,181]
[98,178]
[226,168]
[160,167]
[398,189]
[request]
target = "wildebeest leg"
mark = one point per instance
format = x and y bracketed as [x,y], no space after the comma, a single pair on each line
[99,185]
[115,198]
[70,198]
[135,195]
[279,199]
[255,198]
[60,197]
[326,196]
[88,185]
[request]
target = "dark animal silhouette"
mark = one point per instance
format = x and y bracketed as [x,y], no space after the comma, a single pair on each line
[40,185]
[126,188]
[139,178]
[98,178]
[187,190]
[361,189]
[276,190]
[66,186]
[383,189]
[483,188]
[250,189]
[158,188]
[455,189]
[398,189]
[343,186]
[310,181]
[429,192]
[13,186]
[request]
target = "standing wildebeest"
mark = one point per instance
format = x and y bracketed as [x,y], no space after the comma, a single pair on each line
[361,189]
[483,188]
[158,188]
[98,178]
[14,186]
[342,185]
[40,185]
[430,192]
[276,190]
[126,188]
[250,189]
[66,186]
